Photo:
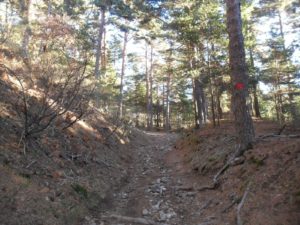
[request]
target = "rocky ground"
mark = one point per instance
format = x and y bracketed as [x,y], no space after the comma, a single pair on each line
[100,173]
[168,171]
[159,189]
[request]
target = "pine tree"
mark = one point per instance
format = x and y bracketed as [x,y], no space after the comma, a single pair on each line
[239,77]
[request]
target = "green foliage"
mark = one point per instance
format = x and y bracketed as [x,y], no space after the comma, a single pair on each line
[80,190]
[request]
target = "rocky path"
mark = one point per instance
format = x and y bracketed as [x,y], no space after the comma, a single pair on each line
[155,193]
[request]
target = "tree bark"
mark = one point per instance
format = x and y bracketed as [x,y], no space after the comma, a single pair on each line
[68,7]
[239,77]
[103,55]
[255,98]
[151,87]
[197,126]
[293,109]
[199,102]
[123,73]
[99,46]
[24,11]
[168,110]
[157,107]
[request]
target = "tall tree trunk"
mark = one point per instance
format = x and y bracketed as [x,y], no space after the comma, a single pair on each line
[6,13]
[278,96]
[148,90]
[220,111]
[199,103]
[255,98]
[293,109]
[211,85]
[99,44]
[164,105]
[49,5]
[151,88]
[68,7]
[103,55]
[157,107]
[239,77]
[204,105]
[168,110]
[24,7]
[123,73]
[197,126]
[147,85]
[255,101]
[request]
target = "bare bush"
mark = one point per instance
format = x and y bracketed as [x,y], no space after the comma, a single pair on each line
[56,98]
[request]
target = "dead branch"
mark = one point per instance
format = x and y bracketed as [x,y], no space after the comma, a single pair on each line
[131,219]
[240,205]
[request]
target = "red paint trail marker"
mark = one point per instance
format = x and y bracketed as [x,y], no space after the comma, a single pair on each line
[239,86]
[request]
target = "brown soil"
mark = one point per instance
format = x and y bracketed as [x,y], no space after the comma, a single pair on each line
[88,175]
[164,182]
[63,176]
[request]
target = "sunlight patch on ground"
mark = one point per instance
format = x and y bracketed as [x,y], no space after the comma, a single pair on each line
[85,126]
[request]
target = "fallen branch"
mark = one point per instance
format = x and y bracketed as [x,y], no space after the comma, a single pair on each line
[131,219]
[240,205]
[277,136]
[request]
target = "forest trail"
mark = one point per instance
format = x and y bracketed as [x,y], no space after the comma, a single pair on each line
[156,191]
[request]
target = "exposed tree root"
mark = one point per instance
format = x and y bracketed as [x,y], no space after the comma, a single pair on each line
[216,181]
[131,219]
[276,136]
[240,205]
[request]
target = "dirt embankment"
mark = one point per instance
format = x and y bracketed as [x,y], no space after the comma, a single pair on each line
[271,171]
[63,176]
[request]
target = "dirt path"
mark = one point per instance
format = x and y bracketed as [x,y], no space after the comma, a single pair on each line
[157,190]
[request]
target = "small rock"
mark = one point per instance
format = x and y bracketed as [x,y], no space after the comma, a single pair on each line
[162,216]
[157,206]
[191,194]
[145,212]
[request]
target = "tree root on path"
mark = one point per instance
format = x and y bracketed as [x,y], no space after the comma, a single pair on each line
[276,136]
[131,219]
[240,205]
[216,182]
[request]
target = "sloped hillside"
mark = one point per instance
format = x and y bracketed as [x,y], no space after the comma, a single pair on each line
[63,175]
[267,178]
